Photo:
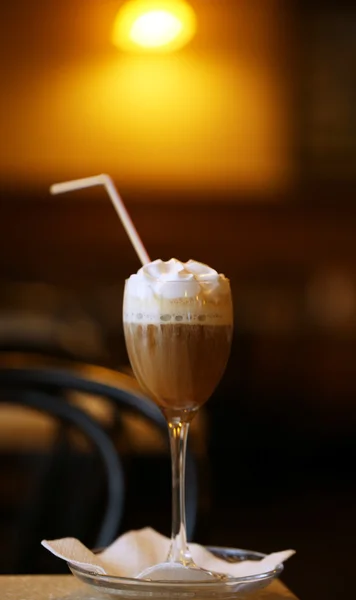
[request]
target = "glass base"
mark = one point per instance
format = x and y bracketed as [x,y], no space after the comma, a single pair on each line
[170,571]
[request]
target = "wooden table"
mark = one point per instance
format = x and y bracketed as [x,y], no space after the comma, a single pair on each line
[66,587]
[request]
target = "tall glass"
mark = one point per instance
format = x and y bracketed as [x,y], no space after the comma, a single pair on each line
[178,342]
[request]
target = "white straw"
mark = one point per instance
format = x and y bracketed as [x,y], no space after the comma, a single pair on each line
[107,182]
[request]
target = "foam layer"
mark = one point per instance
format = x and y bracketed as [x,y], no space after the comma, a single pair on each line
[172,291]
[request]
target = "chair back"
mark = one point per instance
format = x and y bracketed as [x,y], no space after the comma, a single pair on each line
[49,391]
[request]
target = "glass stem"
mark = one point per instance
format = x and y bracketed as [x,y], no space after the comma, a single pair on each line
[179,551]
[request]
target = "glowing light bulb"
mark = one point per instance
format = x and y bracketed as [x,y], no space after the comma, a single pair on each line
[156,26]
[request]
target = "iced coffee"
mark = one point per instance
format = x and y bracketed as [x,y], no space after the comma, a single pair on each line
[178,328]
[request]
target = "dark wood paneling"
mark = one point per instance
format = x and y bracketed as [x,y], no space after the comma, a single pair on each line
[82,242]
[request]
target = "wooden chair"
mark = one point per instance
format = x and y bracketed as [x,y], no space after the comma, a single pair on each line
[51,390]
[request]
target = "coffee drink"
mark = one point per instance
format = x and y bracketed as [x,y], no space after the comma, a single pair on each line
[178,365]
[178,329]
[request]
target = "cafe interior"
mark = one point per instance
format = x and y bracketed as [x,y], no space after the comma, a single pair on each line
[231,138]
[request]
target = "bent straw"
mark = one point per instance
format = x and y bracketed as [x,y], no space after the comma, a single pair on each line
[107,182]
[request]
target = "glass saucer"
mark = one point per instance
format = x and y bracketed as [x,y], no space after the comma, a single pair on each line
[232,587]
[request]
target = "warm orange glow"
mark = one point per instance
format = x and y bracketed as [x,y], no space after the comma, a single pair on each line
[208,118]
[146,120]
[154,25]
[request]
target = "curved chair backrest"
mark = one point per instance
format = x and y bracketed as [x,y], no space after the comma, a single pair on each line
[53,382]
[61,379]
[69,414]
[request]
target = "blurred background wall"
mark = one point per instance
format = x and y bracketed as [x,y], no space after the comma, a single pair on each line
[215,116]
[240,151]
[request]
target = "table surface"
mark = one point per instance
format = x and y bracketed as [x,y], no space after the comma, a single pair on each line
[66,587]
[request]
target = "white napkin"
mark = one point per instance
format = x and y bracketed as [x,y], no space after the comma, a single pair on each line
[135,551]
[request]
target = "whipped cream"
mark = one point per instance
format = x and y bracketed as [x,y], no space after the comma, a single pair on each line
[175,291]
